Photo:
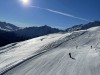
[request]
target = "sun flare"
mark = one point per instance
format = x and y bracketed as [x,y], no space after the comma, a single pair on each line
[25,2]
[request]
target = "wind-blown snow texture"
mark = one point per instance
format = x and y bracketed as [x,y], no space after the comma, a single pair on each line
[49,55]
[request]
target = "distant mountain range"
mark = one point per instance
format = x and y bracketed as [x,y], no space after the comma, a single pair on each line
[10,33]
[83,26]
[8,27]
[31,32]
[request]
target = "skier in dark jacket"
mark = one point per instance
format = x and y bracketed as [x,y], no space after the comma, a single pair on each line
[71,56]
[91,47]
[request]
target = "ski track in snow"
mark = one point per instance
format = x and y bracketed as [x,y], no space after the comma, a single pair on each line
[49,56]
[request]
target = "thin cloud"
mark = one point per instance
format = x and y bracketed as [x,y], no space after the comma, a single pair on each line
[61,13]
[66,14]
[38,7]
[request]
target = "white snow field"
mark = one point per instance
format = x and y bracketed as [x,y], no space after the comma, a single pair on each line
[49,55]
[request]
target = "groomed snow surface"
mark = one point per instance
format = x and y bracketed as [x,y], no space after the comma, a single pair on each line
[49,55]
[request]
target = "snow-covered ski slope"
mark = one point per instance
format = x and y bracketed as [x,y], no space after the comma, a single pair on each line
[49,55]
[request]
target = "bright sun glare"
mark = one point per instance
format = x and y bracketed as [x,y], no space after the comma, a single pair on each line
[25,2]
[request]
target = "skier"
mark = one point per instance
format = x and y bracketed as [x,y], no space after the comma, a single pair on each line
[42,39]
[91,47]
[71,56]
[76,46]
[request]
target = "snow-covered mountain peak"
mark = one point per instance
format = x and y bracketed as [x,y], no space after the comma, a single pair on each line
[7,26]
[83,26]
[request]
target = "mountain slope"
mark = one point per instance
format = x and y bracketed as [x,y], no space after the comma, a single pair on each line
[8,36]
[10,33]
[83,26]
[49,55]
[31,32]
[8,27]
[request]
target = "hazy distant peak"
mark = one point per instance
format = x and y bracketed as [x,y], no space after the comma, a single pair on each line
[83,26]
[7,26]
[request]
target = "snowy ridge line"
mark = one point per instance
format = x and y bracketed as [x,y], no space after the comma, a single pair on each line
[62,40]
[7,46]
[2,49]
[42,51]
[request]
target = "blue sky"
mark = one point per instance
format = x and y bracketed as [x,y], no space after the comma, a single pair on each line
[12,11]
